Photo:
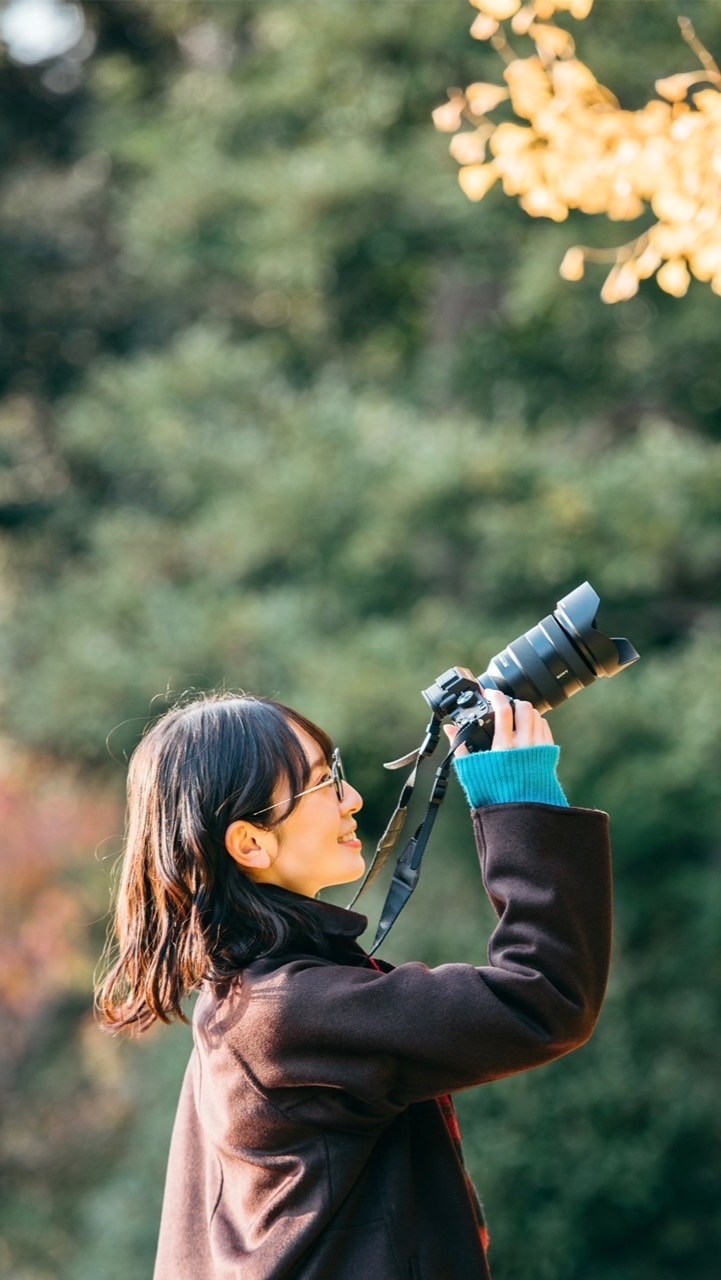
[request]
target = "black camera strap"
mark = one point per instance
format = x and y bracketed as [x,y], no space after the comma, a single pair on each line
[408,866]
[392,834]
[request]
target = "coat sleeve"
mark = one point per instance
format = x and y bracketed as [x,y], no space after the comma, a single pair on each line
[384,1040]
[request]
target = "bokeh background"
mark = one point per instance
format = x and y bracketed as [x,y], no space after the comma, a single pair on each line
[280,410]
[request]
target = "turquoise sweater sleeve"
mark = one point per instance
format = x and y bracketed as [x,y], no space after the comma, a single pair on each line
[525,775]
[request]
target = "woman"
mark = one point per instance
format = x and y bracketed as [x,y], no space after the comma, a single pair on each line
[314,1137]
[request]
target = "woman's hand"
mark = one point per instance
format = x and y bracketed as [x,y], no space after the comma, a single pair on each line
[530,728]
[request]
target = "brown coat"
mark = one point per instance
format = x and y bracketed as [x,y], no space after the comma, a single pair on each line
[309,1142]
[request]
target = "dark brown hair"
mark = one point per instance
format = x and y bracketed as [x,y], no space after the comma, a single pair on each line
[185,912]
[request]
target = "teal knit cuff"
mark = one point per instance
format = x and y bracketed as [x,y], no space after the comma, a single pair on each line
[525,775]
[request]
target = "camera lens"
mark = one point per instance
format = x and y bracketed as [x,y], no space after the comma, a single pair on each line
[561,655]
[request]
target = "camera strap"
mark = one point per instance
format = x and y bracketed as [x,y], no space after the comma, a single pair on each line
[392,834]
[408,866]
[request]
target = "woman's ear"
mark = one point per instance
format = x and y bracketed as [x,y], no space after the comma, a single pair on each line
[249,846]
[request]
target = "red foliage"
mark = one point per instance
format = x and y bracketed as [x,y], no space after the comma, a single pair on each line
[55,828]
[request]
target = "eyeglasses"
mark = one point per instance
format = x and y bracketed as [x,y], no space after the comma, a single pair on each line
[337,780]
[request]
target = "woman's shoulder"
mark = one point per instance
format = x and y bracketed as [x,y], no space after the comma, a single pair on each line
[272,1003]
[270,978]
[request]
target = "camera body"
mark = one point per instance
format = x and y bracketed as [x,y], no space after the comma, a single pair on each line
[457,694]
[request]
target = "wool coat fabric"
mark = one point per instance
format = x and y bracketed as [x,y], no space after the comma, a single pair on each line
[312,1139]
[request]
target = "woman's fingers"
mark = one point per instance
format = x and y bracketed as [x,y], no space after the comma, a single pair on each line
[529,730]
[547,736]
[516,724]
[528,725]
[503,730]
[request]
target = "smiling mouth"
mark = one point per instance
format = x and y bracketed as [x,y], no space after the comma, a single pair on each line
[351,838]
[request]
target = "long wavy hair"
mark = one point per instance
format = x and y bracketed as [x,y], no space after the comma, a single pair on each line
[185,912]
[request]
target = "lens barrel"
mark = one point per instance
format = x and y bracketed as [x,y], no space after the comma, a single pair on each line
[563,654]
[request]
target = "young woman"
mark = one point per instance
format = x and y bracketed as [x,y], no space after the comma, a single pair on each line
[315,1138]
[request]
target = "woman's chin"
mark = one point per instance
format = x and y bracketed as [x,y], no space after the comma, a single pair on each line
[350,875]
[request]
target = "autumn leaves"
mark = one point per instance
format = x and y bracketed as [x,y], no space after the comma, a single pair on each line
[577,148]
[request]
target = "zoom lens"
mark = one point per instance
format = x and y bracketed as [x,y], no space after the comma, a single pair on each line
[560,656]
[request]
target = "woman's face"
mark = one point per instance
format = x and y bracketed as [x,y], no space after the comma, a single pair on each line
[317,845]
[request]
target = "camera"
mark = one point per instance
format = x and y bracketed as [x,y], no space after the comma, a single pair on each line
[561,655]
[548,664]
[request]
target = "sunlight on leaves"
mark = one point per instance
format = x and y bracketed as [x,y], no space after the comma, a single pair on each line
[578,149]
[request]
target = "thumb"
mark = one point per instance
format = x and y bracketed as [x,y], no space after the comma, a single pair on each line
[451,733]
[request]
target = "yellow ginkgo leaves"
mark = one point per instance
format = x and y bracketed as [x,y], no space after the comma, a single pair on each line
[569,144]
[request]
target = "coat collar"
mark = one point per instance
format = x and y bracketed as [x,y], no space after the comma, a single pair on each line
[338,922]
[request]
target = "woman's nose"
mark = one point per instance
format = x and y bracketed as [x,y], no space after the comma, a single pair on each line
[352,799]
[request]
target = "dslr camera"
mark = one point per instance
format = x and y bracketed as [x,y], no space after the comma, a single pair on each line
[561,655]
